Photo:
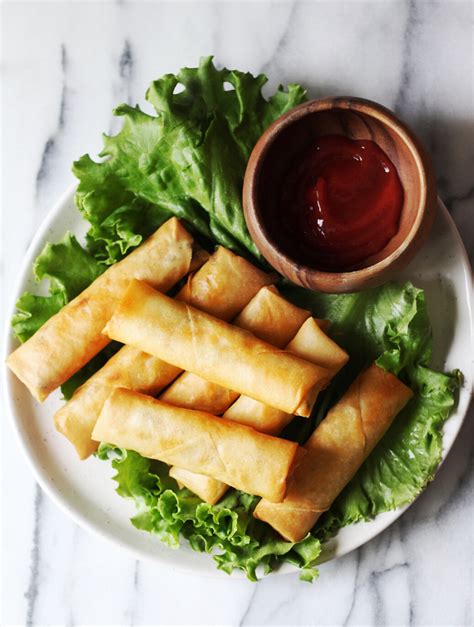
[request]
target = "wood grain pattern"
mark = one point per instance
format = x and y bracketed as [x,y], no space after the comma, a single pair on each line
[354,118]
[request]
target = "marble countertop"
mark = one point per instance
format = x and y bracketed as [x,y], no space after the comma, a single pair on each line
[65,65]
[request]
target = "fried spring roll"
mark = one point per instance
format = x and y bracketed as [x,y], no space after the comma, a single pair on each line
[311,343]
[206,488]
[217,286]
[335,451]
[129,368]
[70,339]
[248,460]
[272,318]
[269,317]
[193,392]
[222,353]
[205,291]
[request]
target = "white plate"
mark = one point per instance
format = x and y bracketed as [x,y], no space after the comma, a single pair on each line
[85,490]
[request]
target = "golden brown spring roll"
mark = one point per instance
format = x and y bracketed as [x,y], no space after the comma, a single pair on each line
[193,392]
[205,292]
[248,460]
[129,368]
[206,488]
[335,451]
[269,317]
[217,286]
[272,318]
[312,344]
[225,354]
[69,339]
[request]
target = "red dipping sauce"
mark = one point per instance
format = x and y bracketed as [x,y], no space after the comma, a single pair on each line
[340,203]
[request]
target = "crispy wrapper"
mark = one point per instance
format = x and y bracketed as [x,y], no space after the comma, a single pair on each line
[311,343]
[205,291]
[335,451]
[270,318]
[197,441]
[70,339]
[206,488]
[218,284]
[220,352]
[129,368]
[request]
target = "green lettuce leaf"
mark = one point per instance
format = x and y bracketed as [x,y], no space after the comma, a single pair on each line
[227,530]
[188,160]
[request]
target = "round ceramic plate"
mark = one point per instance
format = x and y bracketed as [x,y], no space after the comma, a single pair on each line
[85,489]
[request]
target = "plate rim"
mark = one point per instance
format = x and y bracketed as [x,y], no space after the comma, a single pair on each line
[81,519]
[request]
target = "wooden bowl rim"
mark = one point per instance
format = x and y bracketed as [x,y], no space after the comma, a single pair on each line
[372,109]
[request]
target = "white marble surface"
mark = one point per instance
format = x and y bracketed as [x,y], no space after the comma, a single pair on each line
[64,66]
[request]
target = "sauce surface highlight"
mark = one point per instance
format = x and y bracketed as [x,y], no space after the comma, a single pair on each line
[340,203]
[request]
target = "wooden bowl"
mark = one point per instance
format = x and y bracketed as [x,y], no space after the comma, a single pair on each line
[355,118]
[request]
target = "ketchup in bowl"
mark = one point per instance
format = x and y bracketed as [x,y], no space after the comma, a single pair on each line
[340,203]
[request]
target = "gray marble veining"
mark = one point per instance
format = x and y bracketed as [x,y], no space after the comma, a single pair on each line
[65,66]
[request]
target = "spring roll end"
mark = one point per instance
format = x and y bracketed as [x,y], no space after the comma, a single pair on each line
[306,405]
[71,426]
[206,488]
[281,520]
[15,363]
[101,427]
